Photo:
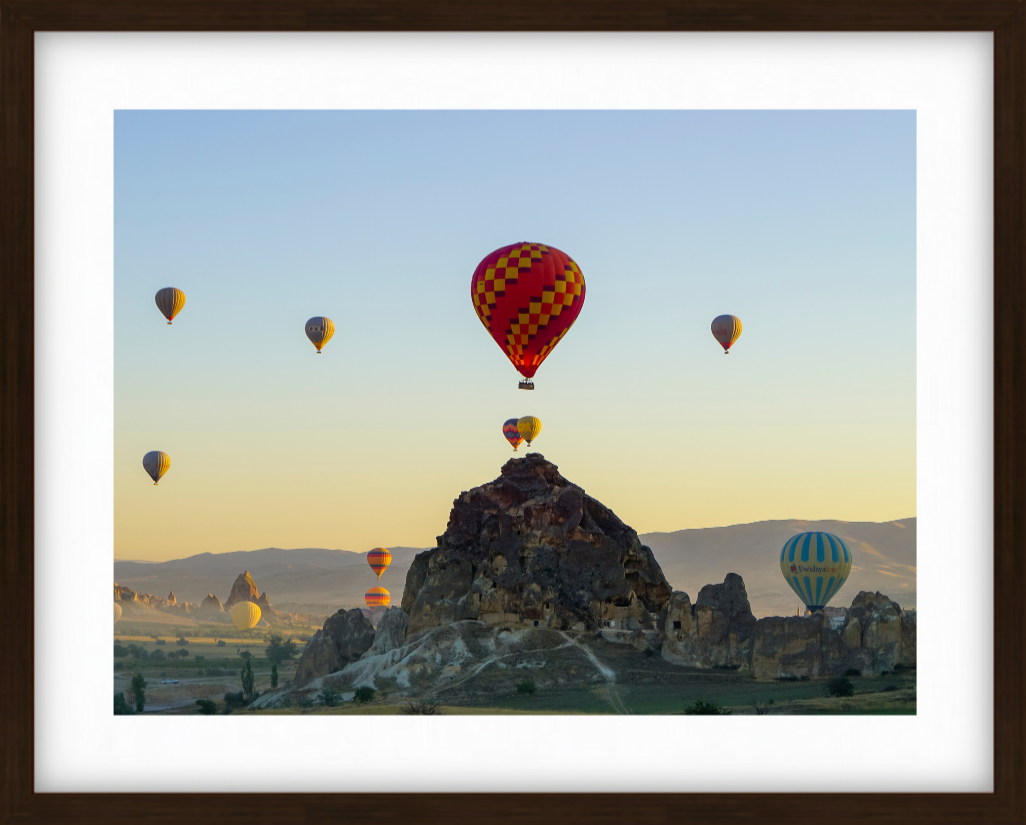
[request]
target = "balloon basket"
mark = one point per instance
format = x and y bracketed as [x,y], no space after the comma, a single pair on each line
[526,385]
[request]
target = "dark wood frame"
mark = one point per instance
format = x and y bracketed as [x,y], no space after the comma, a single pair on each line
[19,19]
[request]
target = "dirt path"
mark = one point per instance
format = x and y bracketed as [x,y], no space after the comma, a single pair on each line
[607,673]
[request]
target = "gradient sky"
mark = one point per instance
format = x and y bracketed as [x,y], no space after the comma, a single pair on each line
[800,223]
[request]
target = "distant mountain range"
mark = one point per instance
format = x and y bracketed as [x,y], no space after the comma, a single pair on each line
[884,553]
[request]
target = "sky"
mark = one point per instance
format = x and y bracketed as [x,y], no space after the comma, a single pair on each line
[802,224]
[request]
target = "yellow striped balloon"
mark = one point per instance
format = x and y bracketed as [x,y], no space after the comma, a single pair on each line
[156,463]
[815,566]
[319,330]
[117,612]
[529,427]
[377,597]
[726,329]
[170,302]
[245,615]
[379,559]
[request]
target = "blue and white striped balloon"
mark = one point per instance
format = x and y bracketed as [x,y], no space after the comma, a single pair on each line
[815,565]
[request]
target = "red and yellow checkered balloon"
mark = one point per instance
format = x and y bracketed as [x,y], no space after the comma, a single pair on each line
[527,296]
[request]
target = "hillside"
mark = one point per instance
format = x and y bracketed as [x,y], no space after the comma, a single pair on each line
[884,554]
[885,560]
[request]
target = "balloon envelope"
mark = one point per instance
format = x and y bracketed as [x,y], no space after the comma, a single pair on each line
[527,296]
[377,597]
[245,615]
[170,302]
[513,436]
[529,427]
[156,463]
[726,329]
[117,612]
[815,565]
[379,559]
[319,330]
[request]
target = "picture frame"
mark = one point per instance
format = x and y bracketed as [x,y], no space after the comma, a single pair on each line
[21,19]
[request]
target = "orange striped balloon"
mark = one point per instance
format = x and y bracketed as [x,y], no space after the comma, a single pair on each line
[377,597]
[726,329]
[170,302]
[379,559]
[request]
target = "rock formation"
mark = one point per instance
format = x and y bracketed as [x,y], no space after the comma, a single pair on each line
[530,548]
[872,633]
[171,600]
[345,637]
[243,590]
[788,647]
[714,632]
[211,607]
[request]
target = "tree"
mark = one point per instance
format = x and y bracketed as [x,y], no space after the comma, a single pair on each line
[526,686]
[121,707]
[279,648]
[247,679]
[274,676]
[206,707]
[364,694]
[246,655]
[139,691]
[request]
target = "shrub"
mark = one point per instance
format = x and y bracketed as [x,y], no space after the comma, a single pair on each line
[120,651]
[182,641]
[885,673]
[364,694]
[197,658]
[419,709]
[702,708]
[206,707]
[305,703]
[889,688]
[158,655]
[161,642]
[121,707]
[329,697]
[650,652]
[234,700]
[804,678]
[853,672]
[246,655]
[841,686]
[220,643]
[526,687]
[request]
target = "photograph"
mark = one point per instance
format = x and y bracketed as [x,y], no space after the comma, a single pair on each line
[498,412]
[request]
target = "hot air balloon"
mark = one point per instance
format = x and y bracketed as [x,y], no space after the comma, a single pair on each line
[527,296]
[319,330]
[170,302]
[156,464]
[529,427]
[117,612]
[726,329]
[377,597]
[379,559]
[815,566]
[245,615]
[513,436]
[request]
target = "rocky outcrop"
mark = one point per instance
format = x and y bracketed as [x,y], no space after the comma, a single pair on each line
[793,646]
[345,637]
[908,638]
[532,549]
[872,634]
[244,589]
[390,633]
[211,607]
[720,631]
[171,600]
[714,632]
